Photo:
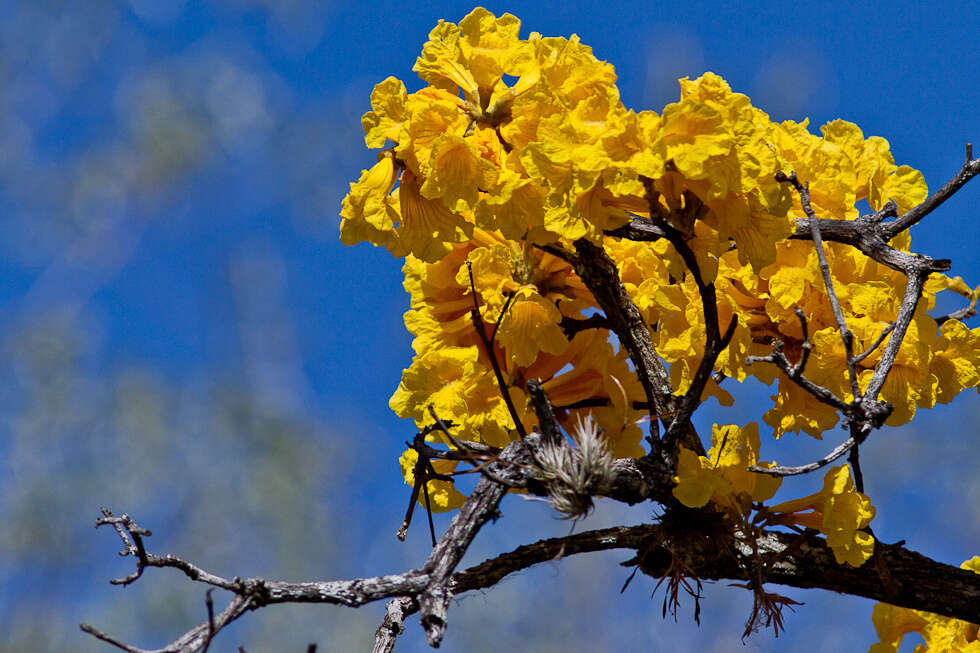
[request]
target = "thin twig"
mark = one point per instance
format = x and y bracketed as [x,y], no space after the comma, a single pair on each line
[428,508]
[906,311]
[855,460]
[488,348]
[845,333]
[465,452]
[715,341]
[779,359]
[465,448]
[542,408]
[209,606]
[959,314]
[838,451]
[805,348]
[108,639]
[503,312]
[418,473]
[132,535]
[969,170]
[880,339]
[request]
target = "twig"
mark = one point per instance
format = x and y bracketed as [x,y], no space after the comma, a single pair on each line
[391,627]
[544,411]
[855,460]
[428,505]
[480,507]
[778,358]
[715,341]
[906,311]
[570,325]
[598,272]
[503,311]
[422,472]
[488,348]
[109,639]
[596,402]
[969,170]
[845,333]
[418,473]
[132,535]
[959,314]
[880,339]
[838,451]
[209,606]
[468,451]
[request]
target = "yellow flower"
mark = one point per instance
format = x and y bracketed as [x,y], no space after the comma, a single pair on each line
[839,512]
[369,212]
[530,327]
[722,476]
[474,55]
[696,138]
[384,121]
[956,361]
[434,113]
[427,225]
[941,634]
[457,173]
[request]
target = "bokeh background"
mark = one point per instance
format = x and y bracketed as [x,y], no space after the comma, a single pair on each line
[184,338]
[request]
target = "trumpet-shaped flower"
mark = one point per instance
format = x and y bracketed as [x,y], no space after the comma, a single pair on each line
[838,511]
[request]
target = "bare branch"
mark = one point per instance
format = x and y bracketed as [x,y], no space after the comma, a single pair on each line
[132,537]
[546,414]
[845,333]
[715,341]
[969,170]
[838,451]
[488,349]
[799,560]
[599,273]
[880,339]
[391,627]
[906,311]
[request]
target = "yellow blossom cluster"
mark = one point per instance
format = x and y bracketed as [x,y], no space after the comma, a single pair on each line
[516,144]
[723,477]
[941,634]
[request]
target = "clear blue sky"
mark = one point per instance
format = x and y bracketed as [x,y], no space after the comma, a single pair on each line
[170,180]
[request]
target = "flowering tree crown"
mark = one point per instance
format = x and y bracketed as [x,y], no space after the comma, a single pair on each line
[517,170]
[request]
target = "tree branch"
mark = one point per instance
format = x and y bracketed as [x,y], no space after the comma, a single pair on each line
[969,170]
[804,561]
[845,333]
[599,274]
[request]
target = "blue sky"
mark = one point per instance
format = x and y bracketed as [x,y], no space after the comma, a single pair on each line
[170,181]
